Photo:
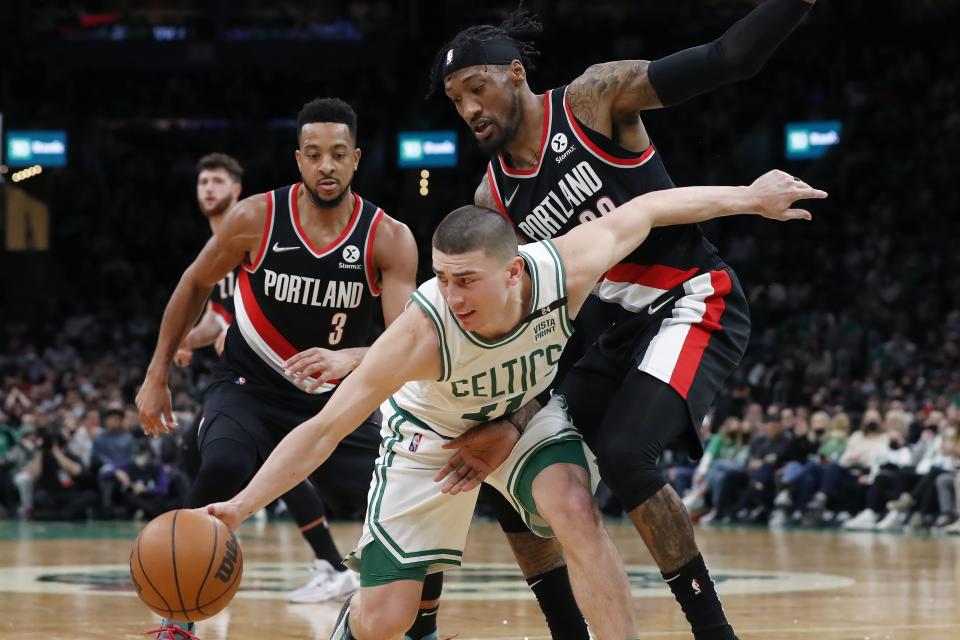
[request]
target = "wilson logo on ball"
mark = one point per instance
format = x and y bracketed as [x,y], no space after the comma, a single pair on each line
[229,562]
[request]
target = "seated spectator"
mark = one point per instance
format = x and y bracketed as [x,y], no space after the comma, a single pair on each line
[843,481]
[54,473]
[895,473]
[112,450]
[766,456]
[794,477]
[725,450]
[145,485]
[920,507]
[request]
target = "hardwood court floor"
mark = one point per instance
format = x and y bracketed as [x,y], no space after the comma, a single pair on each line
[71,581]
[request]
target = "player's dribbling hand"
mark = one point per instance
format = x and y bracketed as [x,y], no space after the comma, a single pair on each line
[155,406]
[227,512]
[479,452]
[323,365]
[775,192]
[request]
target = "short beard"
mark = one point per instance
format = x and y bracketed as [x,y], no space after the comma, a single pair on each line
[218,209]
[508,132]
[332,203]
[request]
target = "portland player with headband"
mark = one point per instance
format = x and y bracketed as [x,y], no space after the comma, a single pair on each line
[670,322]
[477,340]
[316,260]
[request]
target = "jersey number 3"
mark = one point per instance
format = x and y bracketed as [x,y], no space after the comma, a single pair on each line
[337,323]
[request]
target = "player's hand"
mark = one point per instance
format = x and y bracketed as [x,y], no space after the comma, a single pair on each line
[155,406]
[322,364]
[776,191]
[228,512]
[479,452]
[183,357]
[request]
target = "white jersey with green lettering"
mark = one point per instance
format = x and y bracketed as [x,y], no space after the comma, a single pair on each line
[484,379]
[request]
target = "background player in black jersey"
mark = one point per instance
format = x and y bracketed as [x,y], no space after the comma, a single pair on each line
[219,185]
[269,375]
[218,190]
[681,319]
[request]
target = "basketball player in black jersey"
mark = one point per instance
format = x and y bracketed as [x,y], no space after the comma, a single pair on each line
[314,258]
[218,189]
[670,322]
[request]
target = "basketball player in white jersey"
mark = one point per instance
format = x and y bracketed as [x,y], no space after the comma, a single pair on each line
[482,336]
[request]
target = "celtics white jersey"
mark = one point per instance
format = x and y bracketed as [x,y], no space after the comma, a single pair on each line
[484,379]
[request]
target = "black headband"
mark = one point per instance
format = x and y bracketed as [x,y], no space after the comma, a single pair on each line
[473,53]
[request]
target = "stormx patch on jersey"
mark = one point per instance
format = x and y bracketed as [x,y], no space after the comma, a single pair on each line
[415,442]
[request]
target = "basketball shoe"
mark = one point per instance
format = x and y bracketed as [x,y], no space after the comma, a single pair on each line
[326,584]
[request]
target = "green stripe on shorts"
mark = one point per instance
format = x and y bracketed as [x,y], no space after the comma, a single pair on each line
[377,567]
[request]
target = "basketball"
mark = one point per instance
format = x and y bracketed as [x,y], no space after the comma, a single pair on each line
[186,565]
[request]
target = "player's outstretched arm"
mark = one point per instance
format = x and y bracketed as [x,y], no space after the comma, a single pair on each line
[626,87]
[590,249]
[407,350]
[240,235]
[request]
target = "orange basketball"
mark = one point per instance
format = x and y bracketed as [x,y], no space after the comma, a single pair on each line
[186,565]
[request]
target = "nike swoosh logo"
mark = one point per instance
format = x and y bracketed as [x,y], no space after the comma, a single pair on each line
[428,613]
[507,202]
[536,583]
[278,249]
[653,309]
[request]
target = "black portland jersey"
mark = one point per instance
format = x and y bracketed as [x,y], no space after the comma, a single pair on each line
[581,175]
[295,296]
[221,298]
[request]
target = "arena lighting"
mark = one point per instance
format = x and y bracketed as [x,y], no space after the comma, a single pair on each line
[424,182]
[29,172]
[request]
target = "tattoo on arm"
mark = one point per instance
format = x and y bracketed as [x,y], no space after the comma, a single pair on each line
[621,87]
[482,197]
[525,414]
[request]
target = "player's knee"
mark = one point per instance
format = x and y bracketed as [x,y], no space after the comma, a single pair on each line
[630,472]
[563,499]
[387,621]
[225,468]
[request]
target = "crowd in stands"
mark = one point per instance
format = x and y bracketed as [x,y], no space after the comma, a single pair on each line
[843,413]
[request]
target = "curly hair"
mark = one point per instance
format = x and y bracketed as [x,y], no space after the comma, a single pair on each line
[519,23]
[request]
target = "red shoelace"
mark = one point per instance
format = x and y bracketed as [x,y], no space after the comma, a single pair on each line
[172,633]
